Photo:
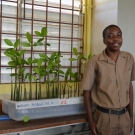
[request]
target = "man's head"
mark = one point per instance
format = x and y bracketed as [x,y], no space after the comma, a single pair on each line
[109,26]
[112,37]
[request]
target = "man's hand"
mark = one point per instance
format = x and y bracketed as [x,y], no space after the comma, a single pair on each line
[130,106]
[88,106]
[131,125]
[93,128]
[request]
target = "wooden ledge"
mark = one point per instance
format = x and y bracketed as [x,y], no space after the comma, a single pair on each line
[10,126]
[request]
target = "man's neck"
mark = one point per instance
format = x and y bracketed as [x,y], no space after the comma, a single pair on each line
[112,55]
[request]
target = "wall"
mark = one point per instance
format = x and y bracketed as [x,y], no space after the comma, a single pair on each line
[119,12]
[126,21]
[104,13]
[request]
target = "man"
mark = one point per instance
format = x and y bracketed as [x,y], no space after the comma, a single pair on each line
[107,82]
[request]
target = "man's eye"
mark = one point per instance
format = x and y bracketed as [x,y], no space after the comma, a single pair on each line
[110,36]
[119,35]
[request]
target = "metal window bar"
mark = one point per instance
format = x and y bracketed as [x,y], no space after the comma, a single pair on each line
[20,17]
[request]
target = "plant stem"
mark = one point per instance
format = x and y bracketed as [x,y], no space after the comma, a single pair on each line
[25,94]
[78,89]
[36,95]
[12,90]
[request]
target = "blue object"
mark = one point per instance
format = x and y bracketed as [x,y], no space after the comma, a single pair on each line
[4,117]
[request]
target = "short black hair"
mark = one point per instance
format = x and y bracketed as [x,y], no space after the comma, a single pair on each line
[110,26]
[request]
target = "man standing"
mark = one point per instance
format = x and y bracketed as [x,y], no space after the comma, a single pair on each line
[107,82]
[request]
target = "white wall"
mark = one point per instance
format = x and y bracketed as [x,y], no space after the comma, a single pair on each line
[104,13]
[126,21]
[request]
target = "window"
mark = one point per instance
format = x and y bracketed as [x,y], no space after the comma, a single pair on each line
[62,18]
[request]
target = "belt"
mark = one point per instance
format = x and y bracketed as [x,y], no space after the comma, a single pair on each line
[116,112]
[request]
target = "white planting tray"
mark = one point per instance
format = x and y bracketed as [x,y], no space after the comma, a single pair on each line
[45,108]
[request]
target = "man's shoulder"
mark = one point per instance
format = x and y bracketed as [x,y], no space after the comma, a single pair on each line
[96,57]
[126,54]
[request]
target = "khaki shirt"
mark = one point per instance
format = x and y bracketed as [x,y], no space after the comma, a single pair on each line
[109,81]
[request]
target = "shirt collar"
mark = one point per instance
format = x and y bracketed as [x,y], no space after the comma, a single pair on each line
[104,57]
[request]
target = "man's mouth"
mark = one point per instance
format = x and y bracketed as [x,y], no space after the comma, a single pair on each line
[116,44]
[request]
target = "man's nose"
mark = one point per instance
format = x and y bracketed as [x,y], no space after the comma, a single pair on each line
[115,38]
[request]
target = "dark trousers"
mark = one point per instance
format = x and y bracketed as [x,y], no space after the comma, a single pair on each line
[112,124]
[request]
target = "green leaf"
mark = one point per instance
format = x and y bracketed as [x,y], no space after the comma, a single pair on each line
[90,56]
[53,55]
[35,61]
[12,63]
[47,44]
[43,55]
[49,66]
[38,33]
[54,64]
[13,74]
[8,42]
[43,32]
[67,73]
[83,58]
[57,60]
[25,44]
[41,39]
[22,52]
[60,71]
[8,54]
[36,70]
[9,49]
[13,58]
[30,77]
[29,60]
[38,44]
[29,37]
[35,78]
[80,56]
[23,61]
[19,60]
[39,62]
[17,42]
[72,59]
[21,71]
[72,75]
[75,51]
[70,81]
[15,52]
[27,75]
[59,54]
[42,71]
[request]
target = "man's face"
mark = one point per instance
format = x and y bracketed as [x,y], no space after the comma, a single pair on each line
[113,39]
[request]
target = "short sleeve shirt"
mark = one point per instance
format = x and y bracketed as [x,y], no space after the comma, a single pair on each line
[109,81]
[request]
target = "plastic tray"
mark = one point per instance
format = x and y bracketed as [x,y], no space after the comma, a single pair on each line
[36,109]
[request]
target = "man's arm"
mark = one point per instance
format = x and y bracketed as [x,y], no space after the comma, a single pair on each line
[88,106]
[130,106]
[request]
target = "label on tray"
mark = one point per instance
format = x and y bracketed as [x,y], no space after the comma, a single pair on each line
[47,103]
